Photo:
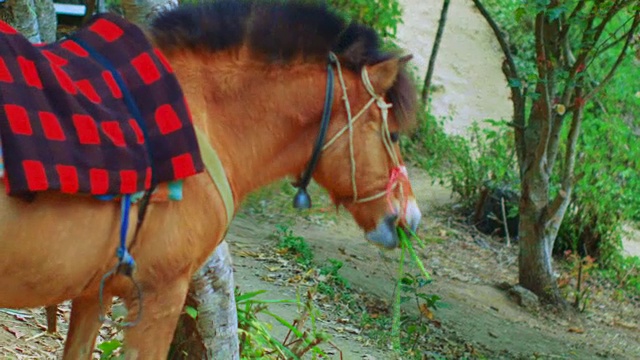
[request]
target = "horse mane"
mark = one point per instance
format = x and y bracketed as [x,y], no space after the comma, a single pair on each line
[280,33]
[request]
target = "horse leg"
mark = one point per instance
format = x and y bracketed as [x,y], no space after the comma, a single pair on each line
[161,308]
[84,326]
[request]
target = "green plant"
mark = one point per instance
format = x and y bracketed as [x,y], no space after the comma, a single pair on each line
[487,157]
[257,342]
[110,350]
[331,282]
[576,280]
[405,326]
[382,15]
[293,246]
[625,273]
[411,287]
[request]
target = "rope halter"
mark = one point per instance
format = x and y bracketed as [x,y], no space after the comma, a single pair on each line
[398,173]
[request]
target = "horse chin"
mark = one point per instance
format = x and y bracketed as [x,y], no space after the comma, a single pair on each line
[385,234]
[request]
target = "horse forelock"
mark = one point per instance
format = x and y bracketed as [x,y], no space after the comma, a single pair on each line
[281,33]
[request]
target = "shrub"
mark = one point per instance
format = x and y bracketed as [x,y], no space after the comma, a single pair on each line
[382,15]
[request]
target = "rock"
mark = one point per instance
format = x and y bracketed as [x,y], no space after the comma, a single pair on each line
[505,285]
[524,297]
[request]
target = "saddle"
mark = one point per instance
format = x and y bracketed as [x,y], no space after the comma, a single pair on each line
[99,113]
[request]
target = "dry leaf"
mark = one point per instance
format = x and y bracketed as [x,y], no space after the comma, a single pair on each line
[426,312]
[576,330]
[560,109]
[625,324]
[246,253]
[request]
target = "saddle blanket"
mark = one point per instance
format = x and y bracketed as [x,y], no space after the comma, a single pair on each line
[99,113]
[166,191]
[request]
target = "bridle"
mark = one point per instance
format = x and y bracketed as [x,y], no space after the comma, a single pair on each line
[302,200]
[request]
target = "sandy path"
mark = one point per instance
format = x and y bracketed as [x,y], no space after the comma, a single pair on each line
[469,85]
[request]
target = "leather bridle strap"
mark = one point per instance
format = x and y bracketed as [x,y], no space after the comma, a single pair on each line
[302,200]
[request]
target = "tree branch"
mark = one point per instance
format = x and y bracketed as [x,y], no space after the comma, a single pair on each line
[606,44]
[560,203]
[589,39]
[542,87]
[434,51]
[510,71]
[571,17]
[623,52]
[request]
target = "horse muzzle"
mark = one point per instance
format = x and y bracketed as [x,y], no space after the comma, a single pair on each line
[385,234]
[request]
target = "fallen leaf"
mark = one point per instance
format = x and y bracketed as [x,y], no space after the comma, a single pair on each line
[625,324]
[576,330]
[13,331]
[426,312]
[246,253]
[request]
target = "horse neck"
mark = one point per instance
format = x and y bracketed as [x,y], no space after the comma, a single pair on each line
[262,120]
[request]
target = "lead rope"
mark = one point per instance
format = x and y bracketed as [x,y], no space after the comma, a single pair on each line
[399,172]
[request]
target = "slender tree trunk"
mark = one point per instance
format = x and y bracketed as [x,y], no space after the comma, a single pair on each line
[213,334]
[47,21]
[22,15]
[142,11]
[434,51]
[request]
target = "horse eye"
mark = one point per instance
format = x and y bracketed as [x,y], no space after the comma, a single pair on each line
[394,136]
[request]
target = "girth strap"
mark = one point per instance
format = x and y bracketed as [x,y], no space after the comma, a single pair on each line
[214,167]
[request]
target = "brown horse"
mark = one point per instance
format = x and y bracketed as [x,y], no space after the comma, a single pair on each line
[254,75]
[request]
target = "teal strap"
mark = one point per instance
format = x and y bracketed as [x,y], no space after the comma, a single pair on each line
[214,167]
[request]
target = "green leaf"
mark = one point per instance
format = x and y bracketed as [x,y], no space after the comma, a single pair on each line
[515,83]
[108,347]
[249,295]
[191,311]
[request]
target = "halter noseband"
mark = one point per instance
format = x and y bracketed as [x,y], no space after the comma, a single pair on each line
[398,174]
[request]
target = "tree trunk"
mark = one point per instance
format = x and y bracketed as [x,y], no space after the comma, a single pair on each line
[213,334]
[434,51]
[535,261]
[47,21]
[21,14]
[142,11]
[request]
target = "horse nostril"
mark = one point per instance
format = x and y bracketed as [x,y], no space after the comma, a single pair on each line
[391,220]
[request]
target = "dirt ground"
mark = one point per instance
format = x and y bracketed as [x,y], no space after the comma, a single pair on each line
[466,266]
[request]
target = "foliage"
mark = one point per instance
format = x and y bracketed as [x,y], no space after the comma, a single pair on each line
[625,272]
[111,350]
[382,15]
[606,193]
[293,246]
[257,342]
[486,158]
[331,280]
[411,326]
[576,280]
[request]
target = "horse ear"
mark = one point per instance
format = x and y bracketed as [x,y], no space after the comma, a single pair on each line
[404,59]
[384,74]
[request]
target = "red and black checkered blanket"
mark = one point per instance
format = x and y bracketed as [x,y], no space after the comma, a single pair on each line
[98,113]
